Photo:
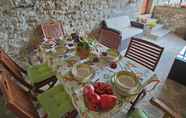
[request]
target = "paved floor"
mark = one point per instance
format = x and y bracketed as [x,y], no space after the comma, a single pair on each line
[169,91]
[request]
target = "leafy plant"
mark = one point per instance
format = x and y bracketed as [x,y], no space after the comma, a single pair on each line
[151,23]
[83,44]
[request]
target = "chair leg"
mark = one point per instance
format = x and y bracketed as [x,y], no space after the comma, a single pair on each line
[140,95]
[32,94]
[1,94]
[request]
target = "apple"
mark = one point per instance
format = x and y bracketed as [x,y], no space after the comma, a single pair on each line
[107,102]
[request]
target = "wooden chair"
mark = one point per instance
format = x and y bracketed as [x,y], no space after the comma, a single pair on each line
[144,53]
[17,99]
[139,113]
[168,112]
[110,38]
[51,30]
[20,102]
[18,72]
[13,68]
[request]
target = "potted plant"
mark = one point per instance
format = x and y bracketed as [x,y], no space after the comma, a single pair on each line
[151,24]
[83,49]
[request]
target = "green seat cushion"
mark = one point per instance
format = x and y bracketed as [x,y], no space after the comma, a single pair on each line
[56,102]
[138,113]
[39,73]
[4,111]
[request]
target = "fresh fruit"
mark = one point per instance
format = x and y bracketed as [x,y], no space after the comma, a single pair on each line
[88,90]
[93,102]
[113,65]
[92,99]
[99,97]
[107,102]
[103,88]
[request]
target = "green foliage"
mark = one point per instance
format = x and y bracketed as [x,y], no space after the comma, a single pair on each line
[152,23]
[83,44]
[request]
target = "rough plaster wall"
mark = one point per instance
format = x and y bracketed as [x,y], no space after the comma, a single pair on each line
[19,18]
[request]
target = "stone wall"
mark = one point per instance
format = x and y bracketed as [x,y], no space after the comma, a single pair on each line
[173,18]
[19,18]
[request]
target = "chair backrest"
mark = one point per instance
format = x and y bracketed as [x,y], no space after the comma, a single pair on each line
[110,38]
[13,68]
[144,53]
[52,30]
[17,99]
[169,113]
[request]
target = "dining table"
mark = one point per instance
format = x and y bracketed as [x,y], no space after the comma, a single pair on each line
[62,56]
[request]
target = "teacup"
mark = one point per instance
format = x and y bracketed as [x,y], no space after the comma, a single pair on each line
[82,72]
[127,83]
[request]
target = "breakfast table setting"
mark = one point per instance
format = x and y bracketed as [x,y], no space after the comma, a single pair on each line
[100,81]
